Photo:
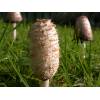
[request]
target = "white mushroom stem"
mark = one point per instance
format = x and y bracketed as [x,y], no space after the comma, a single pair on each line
[84,49]
[45,83]
[14,31]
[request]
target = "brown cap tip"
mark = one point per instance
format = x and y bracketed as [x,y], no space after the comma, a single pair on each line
[14,17]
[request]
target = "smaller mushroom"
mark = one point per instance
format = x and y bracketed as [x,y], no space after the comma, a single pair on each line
[14,18]
[83,31]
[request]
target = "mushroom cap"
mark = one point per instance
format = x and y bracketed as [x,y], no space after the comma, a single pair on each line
[83,29]
[44,49]
[14,17]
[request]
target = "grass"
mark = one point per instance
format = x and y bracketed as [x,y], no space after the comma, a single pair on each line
[15,61]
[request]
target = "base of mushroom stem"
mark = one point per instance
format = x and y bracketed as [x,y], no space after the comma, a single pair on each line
[45,83]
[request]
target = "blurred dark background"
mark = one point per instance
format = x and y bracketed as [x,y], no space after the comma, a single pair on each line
[59,17]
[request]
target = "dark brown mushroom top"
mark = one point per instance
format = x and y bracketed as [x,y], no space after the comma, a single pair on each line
[13,17]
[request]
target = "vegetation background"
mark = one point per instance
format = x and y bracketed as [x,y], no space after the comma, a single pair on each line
[15,61]
[59,17]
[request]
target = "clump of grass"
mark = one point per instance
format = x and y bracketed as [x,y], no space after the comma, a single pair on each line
[75,71]
[15,62]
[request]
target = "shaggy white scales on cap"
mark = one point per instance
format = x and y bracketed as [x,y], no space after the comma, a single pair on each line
[45,49]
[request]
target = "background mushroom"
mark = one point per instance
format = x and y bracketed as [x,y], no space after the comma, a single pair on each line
[44,50]
[83,31]
[14,18]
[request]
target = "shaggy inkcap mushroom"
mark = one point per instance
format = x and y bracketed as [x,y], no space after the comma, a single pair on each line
[83,31]
[45,49]
[14,17]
